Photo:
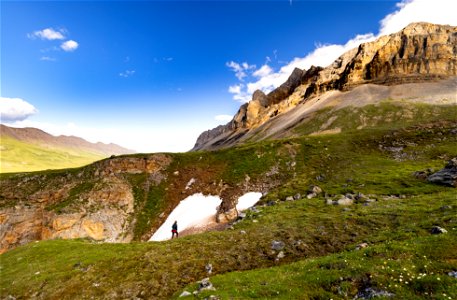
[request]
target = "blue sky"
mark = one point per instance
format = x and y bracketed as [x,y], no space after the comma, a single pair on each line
[152,75]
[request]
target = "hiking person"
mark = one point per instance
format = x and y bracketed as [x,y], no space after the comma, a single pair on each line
[174,229]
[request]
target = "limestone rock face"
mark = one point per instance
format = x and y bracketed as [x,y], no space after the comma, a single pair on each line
[420,52]
[97,203]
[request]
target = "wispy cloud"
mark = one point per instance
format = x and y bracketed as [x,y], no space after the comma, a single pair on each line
[266,78]
[240,69]
[47,34]
[15,109]
[47,58]
[127,73]
[69,46]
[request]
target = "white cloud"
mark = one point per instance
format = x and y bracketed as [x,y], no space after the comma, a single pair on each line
[69,46]
[15,109]
[223,118]
[235,89]
[127,73]
[47,58]
[47,34]
[265,70]
[240,69]
[239,92]
[438,11]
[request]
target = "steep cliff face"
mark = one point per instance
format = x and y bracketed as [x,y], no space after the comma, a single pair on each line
[420,52]
[97,202]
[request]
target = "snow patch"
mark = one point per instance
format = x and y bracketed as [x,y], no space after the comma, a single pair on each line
[196,210]
[248,200]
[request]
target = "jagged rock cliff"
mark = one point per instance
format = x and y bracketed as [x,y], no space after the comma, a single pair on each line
[420,52]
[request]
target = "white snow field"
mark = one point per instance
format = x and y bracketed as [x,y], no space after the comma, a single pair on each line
[198,210]
[248,200]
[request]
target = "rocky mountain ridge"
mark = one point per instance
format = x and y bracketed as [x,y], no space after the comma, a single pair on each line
[421,52]
[37,136]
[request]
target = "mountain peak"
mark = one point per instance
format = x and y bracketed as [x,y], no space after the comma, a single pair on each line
[421,52]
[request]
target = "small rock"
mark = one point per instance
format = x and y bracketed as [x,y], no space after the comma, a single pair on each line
[290,198]
[254,209]
[369,293]
[320,177]
[280,255]
[185,294]
[314,189]
[209,268]
[176,173]
[297,196]
[241,216]
[360,197]
[311,195]
[329,201]
[255,221]
[277,245]
[437,230]
[344,201]
[243,232]
[452,274]
[271,203]
[361,246]
[446,207]
[205,284]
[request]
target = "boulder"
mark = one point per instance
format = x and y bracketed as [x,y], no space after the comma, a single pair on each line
[437,230]
[314,189]
[344,201]
[446,176]
[205,284]
[280,255]
[361,246]
[277,245]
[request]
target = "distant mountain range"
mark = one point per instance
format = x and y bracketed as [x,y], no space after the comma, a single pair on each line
[31,149]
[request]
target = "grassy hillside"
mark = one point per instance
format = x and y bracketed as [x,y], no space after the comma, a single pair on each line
[318,259]
[18,156]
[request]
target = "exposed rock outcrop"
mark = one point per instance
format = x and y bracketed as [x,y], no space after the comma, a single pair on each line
[420,52]
[446,176]
[98,203]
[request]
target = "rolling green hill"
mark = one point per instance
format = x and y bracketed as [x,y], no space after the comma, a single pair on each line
[318,257]
[19,156]
[30,149]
